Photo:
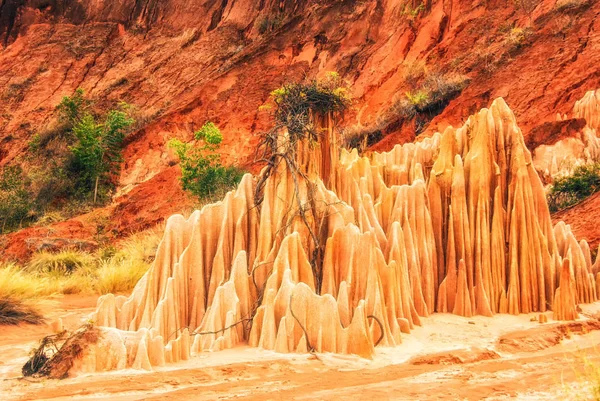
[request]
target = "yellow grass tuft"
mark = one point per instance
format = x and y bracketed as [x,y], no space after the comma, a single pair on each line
[62,263]
[119,276]
[116,270]
[18,292]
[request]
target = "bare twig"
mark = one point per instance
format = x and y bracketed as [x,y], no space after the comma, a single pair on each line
[310,348]
[203,333]
[380,328]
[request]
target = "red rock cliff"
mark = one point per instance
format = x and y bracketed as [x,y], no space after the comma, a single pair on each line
[182,62]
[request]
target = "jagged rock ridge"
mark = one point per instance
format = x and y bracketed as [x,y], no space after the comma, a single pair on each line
[455,223]
[583,147]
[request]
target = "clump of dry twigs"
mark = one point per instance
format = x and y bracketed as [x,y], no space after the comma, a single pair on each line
[57,353]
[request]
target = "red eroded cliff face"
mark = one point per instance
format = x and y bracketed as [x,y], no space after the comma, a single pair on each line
[182,62]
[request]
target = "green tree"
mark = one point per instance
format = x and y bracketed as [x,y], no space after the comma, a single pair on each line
[97,149]
[202,173]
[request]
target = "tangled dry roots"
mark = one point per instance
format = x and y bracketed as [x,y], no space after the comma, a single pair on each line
[57,353]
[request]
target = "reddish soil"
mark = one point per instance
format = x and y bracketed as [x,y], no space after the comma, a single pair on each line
[551,132]
[584,220]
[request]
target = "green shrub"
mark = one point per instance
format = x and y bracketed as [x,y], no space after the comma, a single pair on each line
[71,109]
[569,190]
[202,173]
[81,159]
[15,199]
[97,150]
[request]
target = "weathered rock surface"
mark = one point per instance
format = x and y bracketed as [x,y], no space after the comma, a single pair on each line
[578,145]
[455,223]
[182,62]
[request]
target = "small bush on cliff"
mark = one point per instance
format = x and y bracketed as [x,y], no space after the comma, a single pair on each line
[270,23]
[72,109]
[569,190]
[202,173]
[15,199]
[517,38]
[82,153]
[429,97]
[412,13]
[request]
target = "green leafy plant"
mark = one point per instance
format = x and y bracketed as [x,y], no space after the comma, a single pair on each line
[71,109]
[412,13]
[569,190]
[82,157]
[202,173]
[97,150]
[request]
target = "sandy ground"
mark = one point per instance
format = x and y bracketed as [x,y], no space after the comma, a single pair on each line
[449,358]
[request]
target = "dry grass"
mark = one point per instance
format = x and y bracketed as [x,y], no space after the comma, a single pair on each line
[117,270]
[592,378]
[582,370]
[18,295]
[14,311]
[62,263]
[119,277]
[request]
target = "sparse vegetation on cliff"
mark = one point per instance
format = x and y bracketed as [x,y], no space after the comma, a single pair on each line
[427,94]
[270,23]
[15,198]
[202,173]
[430,95]
[570,190]
[82,158]
[571,6]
